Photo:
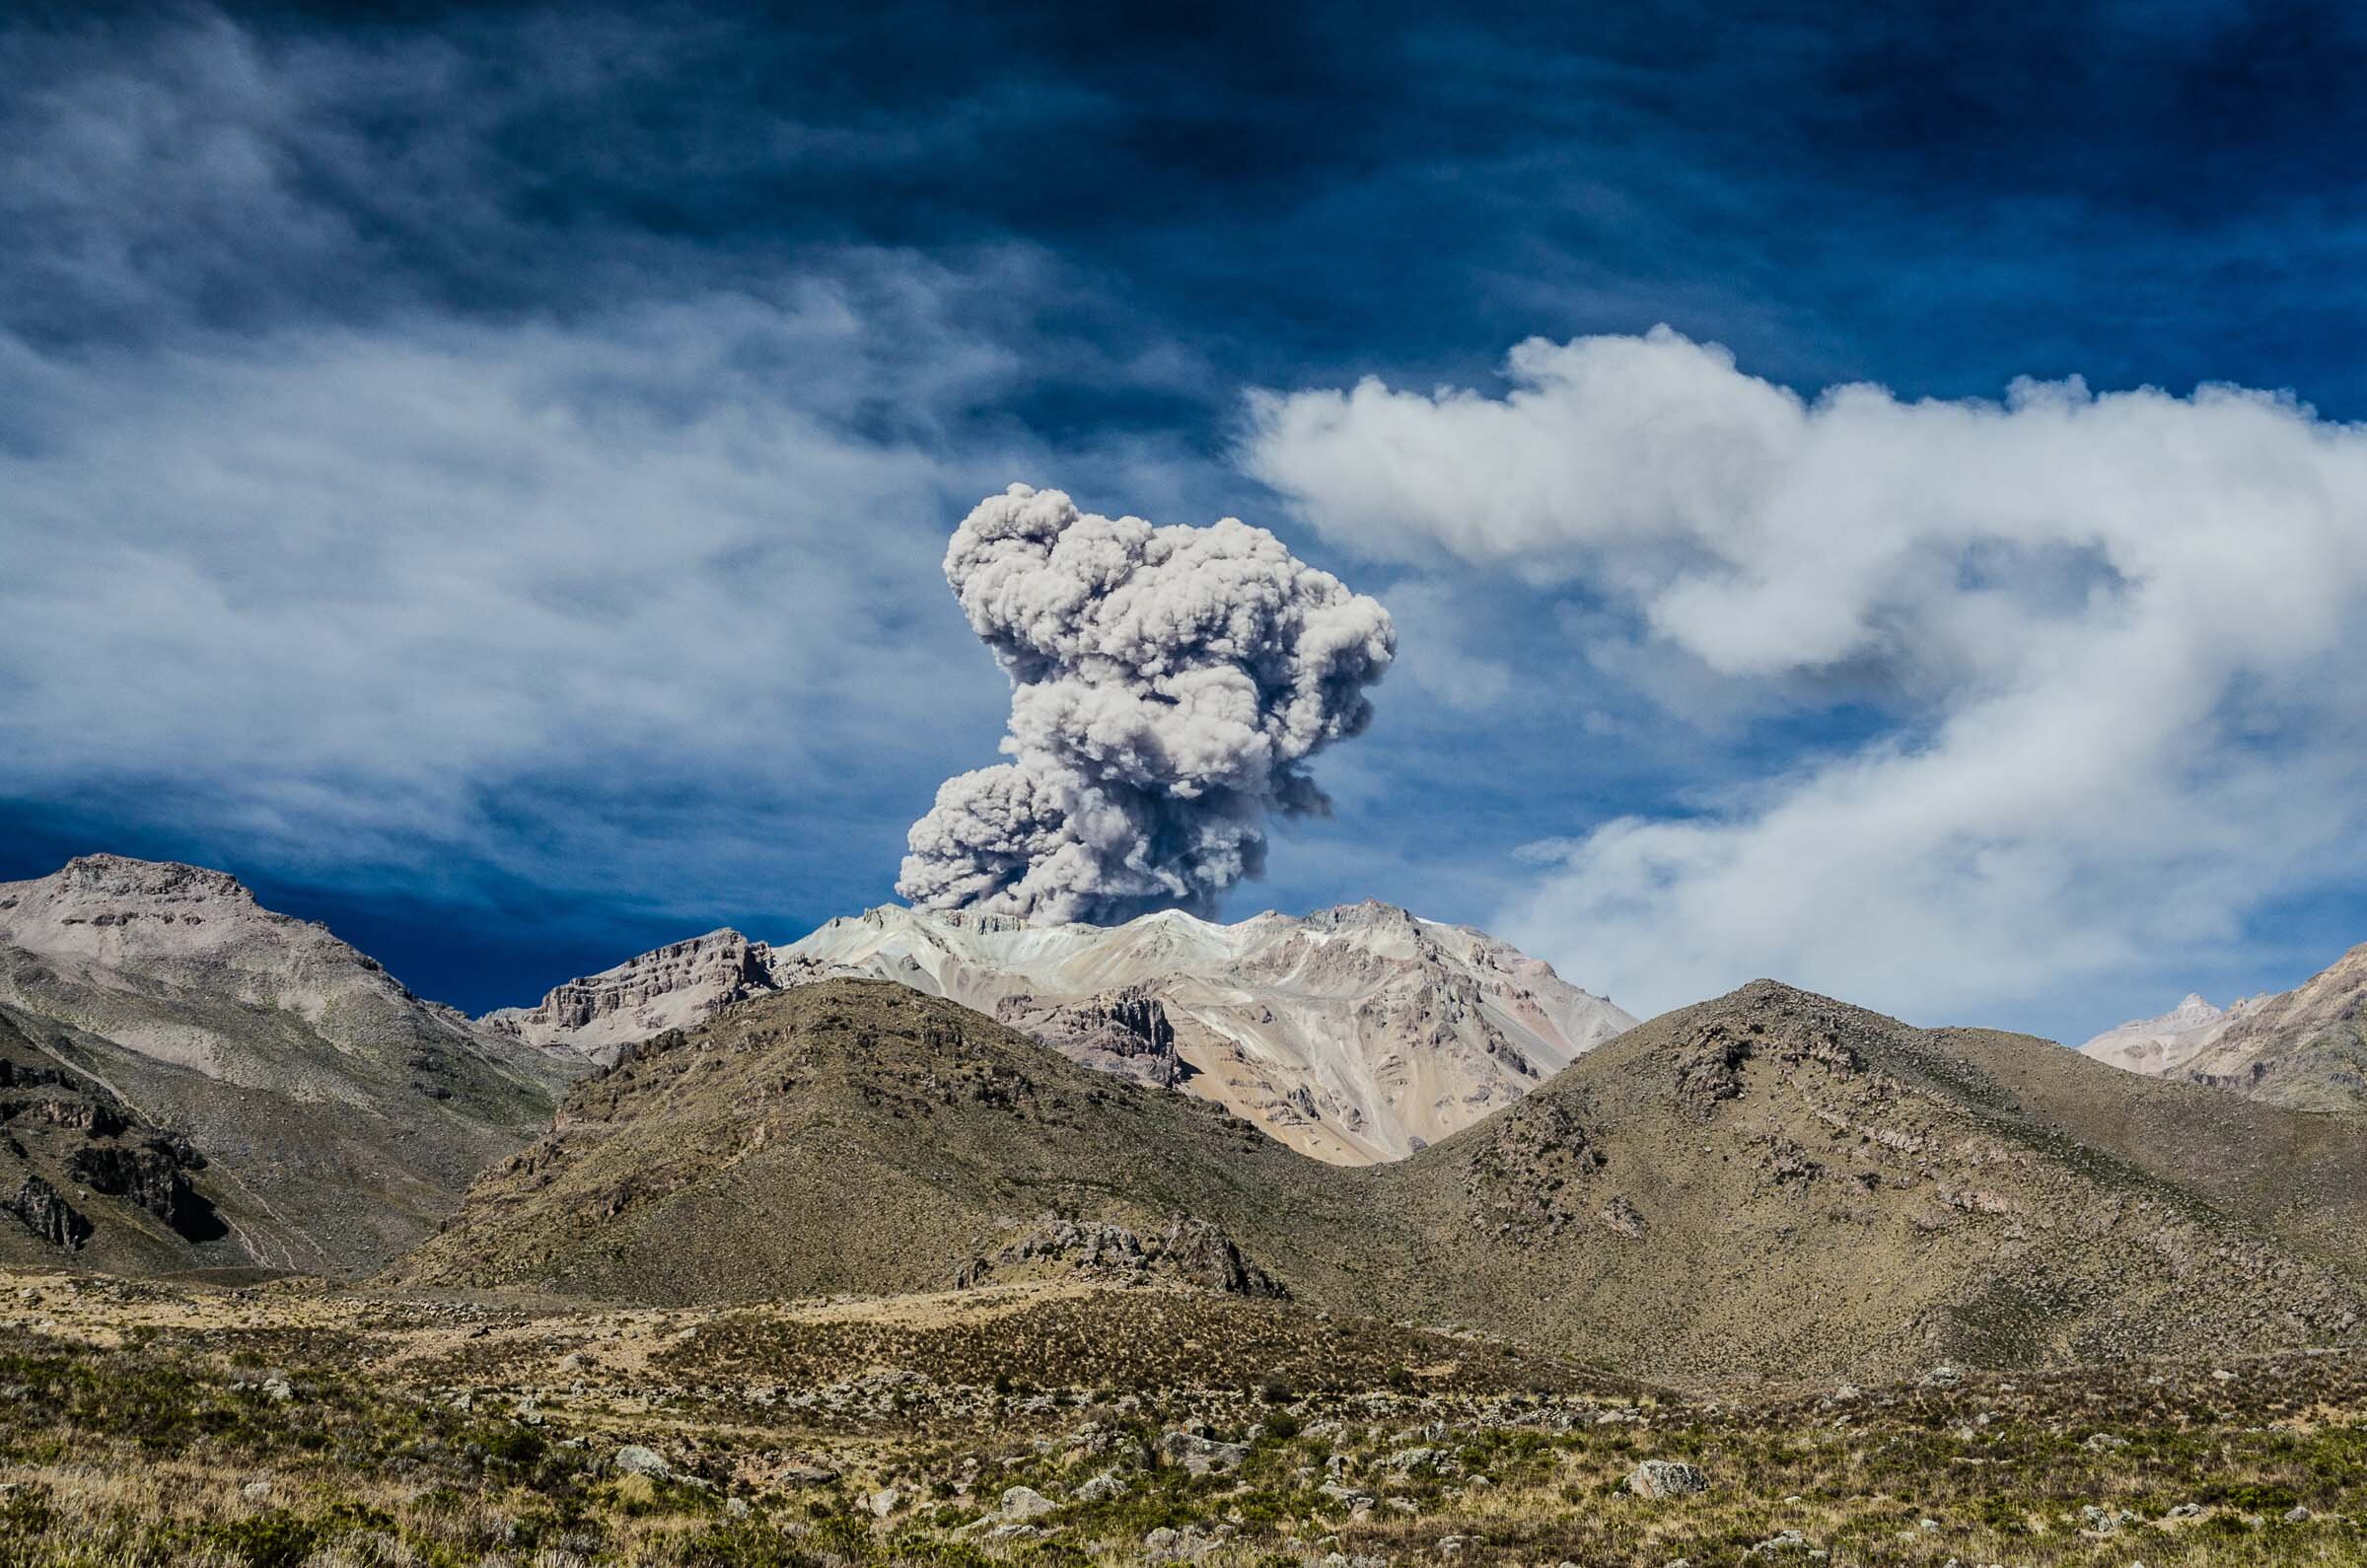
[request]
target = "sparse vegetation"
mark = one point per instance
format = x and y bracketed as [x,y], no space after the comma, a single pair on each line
[148,1424]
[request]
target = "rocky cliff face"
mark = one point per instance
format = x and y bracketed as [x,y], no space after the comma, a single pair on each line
[336,1116]
[673,987]
[1354,1035]
[84,1174]
[2304,1048]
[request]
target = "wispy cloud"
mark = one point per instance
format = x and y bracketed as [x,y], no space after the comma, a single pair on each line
[378,502]
[358,585]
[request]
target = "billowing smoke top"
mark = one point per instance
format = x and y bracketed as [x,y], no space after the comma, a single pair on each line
[1167,682]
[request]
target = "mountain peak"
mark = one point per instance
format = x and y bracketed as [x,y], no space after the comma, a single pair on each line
[2304,1048]
[119,910]
[120,876]
[1354,1035]
[342,1111]
[1368,913]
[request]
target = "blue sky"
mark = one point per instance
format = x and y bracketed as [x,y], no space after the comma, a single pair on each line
[480,474]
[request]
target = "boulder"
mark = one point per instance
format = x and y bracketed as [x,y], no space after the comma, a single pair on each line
[1178,1545]
[801,1475]
[1667,1479]
[1204,1456]
[634,1459]
[1024,1502]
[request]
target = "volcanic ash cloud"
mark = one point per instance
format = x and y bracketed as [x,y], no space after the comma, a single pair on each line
[1167,685]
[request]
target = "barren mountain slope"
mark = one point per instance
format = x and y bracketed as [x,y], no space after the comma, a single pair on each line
[348,1112]
[2300,1174]
[1354,1035]
[2304,1048]
[1776,1180]
[1769,1185]
[82,1173]
[857,1135]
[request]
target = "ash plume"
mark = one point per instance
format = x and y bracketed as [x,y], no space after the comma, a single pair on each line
[1167,683]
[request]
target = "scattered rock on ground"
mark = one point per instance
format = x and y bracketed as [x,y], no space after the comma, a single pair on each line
[1667,1479]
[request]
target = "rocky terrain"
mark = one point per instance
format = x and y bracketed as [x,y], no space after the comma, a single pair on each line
[2304,1048]
[83,1173]
[1774,1180]
[1093,1424]
[859,1136]
[1769,1186]
[829,1268]
[676,986]
[1354,1035]
[327,1115]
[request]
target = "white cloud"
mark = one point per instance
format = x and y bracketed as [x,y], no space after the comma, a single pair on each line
[2113,639]
[359,593]
[372,500]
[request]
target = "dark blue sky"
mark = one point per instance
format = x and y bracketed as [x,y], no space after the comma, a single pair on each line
[264,264]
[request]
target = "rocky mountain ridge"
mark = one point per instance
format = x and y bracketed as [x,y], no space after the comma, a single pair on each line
[2305,1048]
[676,986]
[336,1115]
[1354,1035]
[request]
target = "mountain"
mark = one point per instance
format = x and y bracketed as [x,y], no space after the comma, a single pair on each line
[2304,1048]
[1354,1035]
[859,1136]
[676,986]
[2299,1175]
[1770,1184]
[2161,1046]
[329,1115]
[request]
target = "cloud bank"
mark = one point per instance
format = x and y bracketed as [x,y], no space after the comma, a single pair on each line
[2108,643]
[356,596]
[1167,683]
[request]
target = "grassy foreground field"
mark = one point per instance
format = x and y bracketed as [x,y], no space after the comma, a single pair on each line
[1064,1423]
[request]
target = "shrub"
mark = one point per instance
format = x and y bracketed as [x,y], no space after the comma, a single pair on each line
[267,1540]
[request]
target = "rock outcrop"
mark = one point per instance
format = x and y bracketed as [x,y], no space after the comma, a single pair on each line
[1186,1252]
[50,1217]
[673,987]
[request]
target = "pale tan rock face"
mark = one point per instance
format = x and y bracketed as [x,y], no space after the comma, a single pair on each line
[676,986]
[2159,1046]
[1354,1035]
[2305,1048]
